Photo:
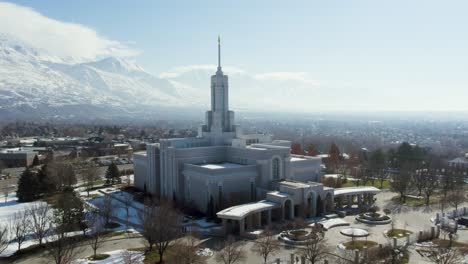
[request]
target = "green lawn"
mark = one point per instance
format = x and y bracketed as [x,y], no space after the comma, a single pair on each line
[385,185]
[398,233]
[99,257]
[445,243]
[412,201]
[359,244]
[91,196]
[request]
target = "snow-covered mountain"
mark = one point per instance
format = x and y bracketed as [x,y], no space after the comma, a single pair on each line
[34,85]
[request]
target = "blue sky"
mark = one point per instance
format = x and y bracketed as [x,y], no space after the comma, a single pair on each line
[364,50]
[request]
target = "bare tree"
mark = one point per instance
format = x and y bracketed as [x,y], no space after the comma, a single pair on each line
[62,174]
[232,252]
[19,227]
[90,176]
[266,245]
[4,238]
[41,221]
[6,191]
[456,197]
[400,182]
[128,257]
[315,249]
[96,235]
[148,225]
[185,251]
[160,225]
[127,201]
[63,249]
[418,180]
[106,209]
[446,256]
[430,184]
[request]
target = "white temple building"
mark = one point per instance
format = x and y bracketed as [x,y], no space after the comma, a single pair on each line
[248,180]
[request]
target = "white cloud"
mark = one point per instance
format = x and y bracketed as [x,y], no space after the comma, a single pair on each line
[295,90]
[287,76]
[69,41]
[178,71]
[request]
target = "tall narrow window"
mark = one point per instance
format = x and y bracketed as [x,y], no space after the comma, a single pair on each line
[220,196]
[276,169]
[252,191]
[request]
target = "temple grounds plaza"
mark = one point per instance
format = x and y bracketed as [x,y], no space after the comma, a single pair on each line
[405,217]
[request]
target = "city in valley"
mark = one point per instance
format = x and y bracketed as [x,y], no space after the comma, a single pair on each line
[246,133]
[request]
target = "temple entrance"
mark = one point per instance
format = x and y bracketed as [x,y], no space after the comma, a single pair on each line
[328,202]
[319,206]
[310,205]
[287,210]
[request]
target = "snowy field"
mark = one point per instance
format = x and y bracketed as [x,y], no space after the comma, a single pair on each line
[7,210]
[117,256]
[119,207]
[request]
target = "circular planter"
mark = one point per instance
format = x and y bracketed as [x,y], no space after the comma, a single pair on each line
[373,219]
[295,237]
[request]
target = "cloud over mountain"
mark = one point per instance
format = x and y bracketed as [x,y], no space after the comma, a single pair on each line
[57,40]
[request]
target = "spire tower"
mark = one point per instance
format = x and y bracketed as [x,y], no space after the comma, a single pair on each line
[219,53]
[219,119]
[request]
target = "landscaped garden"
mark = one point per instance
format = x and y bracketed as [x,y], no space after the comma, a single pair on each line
[398,233]
[359,244]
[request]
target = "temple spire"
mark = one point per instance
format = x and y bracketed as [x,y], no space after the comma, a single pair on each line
[219,53]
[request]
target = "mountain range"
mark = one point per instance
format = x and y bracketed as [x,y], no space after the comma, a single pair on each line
[36,86]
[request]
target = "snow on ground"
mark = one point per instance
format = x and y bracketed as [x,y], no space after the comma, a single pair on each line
[7,211]
[117,256]
[119,207]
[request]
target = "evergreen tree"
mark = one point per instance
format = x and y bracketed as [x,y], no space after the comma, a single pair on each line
[35,161]
[69,210]
[27,186]
[334,157]
[312,151]
[46,185]
[112,174]
[296,149]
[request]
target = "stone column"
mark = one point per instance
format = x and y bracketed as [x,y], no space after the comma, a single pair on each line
[259,219]
[359,199]
[356,256]
[249,221]
[269,217]
[241,227]
[225,231]
[350,201]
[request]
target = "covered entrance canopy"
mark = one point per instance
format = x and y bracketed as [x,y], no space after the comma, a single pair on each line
[247,215]
[363,195]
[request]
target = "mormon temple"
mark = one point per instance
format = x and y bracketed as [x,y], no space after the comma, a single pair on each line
[248,180]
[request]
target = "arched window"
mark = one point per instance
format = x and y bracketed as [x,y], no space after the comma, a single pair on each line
[276,168]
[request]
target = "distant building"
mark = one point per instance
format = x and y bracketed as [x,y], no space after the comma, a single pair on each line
[19,157]
[461,162]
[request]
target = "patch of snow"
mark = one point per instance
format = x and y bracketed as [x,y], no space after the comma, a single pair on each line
[116,256]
